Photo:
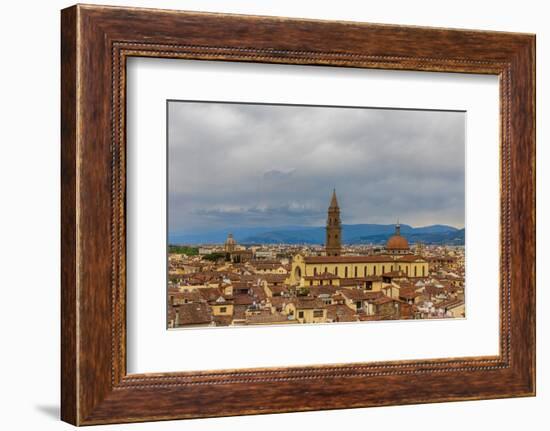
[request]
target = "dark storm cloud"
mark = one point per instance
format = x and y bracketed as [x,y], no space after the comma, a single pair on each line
[236,165]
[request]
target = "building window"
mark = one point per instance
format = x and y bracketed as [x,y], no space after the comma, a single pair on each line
[326,269]
[374,271]
[365,271]
[300,314]
[314,271]
[423,271]
[355,272]
[346,272]
[223,309]
[336,270]
[359,305]
[383,269]
[415,271]
[317,313]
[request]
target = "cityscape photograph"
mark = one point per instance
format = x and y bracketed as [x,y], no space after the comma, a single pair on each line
[303,214]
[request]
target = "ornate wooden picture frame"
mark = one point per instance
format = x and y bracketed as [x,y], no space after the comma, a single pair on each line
[96,41]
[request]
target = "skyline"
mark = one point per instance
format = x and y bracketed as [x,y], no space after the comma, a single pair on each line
[242,165]
[352,235]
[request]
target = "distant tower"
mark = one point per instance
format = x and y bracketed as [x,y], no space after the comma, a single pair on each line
[230,244]
[333,243]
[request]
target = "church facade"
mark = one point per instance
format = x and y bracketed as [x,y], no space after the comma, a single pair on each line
[397,259]
[234,253]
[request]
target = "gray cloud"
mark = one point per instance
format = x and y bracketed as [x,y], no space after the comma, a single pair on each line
[234,165]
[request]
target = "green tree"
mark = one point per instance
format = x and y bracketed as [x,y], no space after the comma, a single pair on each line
[302,291]
[214,257]
[183,249]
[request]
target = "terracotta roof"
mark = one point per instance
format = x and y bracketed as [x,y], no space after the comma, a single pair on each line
[307,303]
[315,291]
[180,297]
[258,293]
[349,259]
[346,282]
[354,282]
[210,293]
[408,293]
[432,290]
[340,313]
[382,300]
[410,258]
[243,299]
[268,318]
[241,285]
[193,314]
[360,295]
[278,301]
[255,262]
[364,259]
[267,266]
[273,278]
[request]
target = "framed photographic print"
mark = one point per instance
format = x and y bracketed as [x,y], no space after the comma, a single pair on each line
[298,262]
[329,214]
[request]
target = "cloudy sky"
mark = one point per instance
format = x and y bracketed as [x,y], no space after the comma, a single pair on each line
[243,165]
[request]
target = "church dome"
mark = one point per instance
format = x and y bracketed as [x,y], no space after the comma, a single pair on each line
[396,241]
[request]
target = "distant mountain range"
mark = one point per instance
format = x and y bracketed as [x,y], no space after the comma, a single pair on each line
[352,234]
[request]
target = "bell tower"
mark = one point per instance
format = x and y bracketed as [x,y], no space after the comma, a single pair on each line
[333,243]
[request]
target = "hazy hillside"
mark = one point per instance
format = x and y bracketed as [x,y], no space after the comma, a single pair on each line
[352,234]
